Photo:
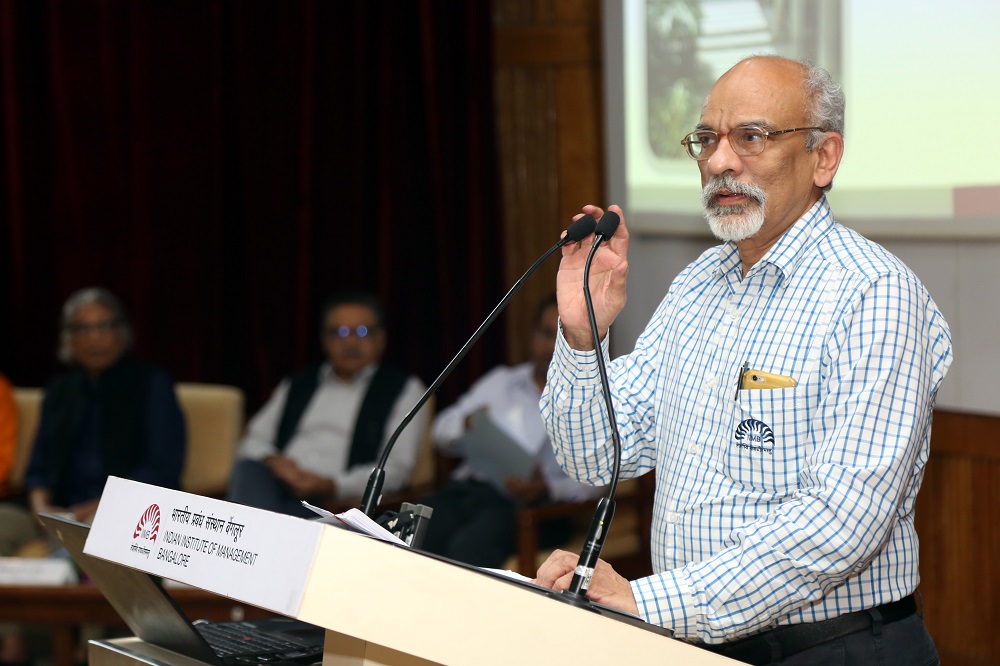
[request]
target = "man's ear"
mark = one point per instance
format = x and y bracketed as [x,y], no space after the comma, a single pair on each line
[828,156]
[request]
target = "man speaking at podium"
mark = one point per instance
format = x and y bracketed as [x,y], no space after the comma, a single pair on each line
[782,392]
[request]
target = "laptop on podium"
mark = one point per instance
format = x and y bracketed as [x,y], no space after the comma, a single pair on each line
[152,614]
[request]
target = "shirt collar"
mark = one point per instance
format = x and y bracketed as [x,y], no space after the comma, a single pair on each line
[791,247]
[363,376]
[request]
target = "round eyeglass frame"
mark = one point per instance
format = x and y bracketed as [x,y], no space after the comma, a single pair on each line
[739,147]
[342,332]
[100,327]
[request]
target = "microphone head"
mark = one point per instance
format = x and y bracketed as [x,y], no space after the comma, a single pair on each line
[580,229]
[608,224]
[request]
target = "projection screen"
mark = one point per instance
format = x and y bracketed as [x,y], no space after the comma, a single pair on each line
[922,131]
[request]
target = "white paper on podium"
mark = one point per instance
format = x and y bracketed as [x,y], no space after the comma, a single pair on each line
[357,520]
[255,556]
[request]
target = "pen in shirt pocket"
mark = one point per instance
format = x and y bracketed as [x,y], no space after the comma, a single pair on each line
[750,379]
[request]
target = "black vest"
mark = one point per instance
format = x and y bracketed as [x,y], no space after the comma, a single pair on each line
[369,427]
[119,394]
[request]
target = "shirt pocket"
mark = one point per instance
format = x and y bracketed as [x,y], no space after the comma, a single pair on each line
[762,450]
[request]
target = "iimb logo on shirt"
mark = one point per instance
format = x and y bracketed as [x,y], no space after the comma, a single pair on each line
[753,435]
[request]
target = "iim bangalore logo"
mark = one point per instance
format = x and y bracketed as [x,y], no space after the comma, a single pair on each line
[753,435]
[148,526]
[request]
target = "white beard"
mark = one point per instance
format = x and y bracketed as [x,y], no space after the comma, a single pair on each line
[734,223]
[736,226]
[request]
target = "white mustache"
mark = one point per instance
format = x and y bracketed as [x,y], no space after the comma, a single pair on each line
[728,182]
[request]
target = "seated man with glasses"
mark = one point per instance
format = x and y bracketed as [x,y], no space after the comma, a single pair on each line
[109,414]
[475,515]
[319,435]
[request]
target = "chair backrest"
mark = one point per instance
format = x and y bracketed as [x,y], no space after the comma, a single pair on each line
[215,418]
[29,408]
[214,414]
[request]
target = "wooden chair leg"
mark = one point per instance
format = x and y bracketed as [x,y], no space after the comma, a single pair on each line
[64,639]
[527,544]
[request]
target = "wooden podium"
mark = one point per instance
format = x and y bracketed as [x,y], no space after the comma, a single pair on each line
[385,604]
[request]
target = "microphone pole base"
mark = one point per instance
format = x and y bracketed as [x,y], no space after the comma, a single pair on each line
[575,599]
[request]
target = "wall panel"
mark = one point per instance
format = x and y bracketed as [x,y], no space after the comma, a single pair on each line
[549,120]
[958,520]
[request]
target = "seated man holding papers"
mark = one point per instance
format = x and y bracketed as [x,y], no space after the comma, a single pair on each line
[498,427]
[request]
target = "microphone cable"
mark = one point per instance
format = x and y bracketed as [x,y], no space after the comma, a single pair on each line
[601,522]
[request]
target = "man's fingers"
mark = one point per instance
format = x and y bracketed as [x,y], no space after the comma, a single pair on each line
[554,570]
[563,582]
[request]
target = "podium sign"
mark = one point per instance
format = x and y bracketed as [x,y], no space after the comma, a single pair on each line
[251,555]
[382,604]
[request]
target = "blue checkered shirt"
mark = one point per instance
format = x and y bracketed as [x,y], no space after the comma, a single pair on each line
[780,505]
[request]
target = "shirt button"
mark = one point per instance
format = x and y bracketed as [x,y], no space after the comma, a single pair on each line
[673,517]
[712,381]
[693,449]
[733,313]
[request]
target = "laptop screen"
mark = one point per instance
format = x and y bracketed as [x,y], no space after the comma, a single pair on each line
[150,613]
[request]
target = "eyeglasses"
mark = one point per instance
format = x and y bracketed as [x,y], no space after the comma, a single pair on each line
[341,332]
[102,327]
[746,140]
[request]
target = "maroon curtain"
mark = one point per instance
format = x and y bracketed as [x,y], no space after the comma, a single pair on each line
[223,166]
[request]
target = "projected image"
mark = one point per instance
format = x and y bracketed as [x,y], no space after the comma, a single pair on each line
[911,79]
[690,43]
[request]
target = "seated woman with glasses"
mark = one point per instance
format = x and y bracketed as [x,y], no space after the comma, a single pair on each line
[108,414]
[319,435]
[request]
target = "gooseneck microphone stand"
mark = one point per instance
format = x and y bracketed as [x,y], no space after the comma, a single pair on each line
[577,231]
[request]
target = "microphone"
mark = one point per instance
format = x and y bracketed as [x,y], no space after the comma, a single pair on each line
[597,534]
[576,232]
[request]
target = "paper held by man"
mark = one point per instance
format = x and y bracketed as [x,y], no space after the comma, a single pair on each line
[496,453]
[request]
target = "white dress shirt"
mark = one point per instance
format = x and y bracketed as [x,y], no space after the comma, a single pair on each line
[781,505]
[322,440]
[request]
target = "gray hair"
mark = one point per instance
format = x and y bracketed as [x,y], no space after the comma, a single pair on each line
[827,101]
[827,106]
[83,297]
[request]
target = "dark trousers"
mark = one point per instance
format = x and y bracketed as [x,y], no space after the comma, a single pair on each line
[901,643]
[474,523]
[252,483]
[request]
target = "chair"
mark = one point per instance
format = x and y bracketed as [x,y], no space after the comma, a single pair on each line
[29,407]
[214,414]
[628,540]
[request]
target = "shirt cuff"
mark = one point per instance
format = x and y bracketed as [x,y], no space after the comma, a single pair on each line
[579,367]
[670,600]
